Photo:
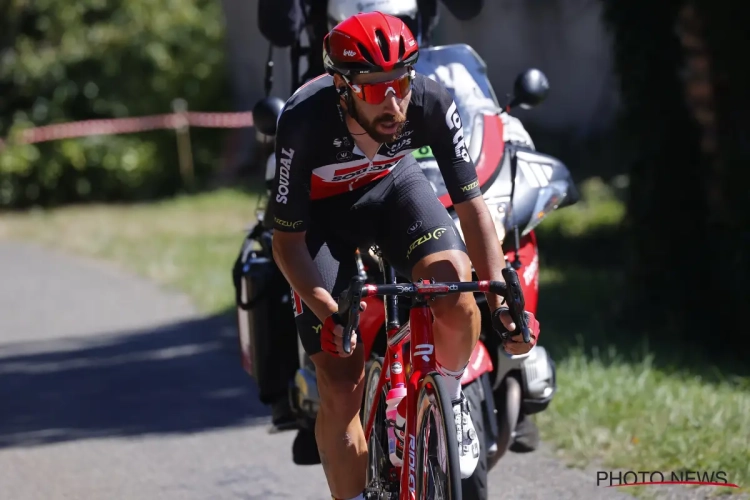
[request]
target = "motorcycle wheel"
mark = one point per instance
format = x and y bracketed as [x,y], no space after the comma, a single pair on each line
[508,404]
[474,487]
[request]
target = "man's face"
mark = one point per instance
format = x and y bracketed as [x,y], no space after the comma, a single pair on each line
[383,121]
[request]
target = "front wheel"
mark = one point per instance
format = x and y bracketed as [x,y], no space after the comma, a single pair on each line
[432,457]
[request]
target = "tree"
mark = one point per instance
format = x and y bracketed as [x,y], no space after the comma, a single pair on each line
[687,212]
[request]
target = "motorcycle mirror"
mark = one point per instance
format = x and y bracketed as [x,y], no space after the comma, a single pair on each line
[266,113]
[530,89]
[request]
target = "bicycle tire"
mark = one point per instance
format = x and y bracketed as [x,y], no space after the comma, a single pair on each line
[434,406]
[378,461]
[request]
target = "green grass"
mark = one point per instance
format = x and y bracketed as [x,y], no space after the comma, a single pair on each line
[633,416]
[188,243]
[622,403]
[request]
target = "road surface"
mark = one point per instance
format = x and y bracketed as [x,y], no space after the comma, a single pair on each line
[111,388]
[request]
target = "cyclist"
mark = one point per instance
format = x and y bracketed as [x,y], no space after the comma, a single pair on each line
[345,178]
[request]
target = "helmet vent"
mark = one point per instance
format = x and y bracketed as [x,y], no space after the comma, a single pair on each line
[401,48]
[385,47]
[365,53]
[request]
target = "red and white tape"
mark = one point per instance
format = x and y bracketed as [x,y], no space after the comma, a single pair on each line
[137,124]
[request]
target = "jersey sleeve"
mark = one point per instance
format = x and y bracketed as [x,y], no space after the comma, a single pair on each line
[290,190]
[446,137]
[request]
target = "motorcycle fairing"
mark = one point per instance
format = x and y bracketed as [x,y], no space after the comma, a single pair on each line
[460,69]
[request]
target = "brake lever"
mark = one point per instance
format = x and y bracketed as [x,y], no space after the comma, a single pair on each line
[348,305]
[516,303]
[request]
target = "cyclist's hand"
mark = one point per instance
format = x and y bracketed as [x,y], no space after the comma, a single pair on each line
[332,336]
[502,322]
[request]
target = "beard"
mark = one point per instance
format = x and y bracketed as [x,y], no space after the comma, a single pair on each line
[371,127]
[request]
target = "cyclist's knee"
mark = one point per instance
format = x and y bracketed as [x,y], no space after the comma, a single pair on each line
[340,381]
[449,265]
[457,311]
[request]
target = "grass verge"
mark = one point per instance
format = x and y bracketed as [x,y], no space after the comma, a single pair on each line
[621,403]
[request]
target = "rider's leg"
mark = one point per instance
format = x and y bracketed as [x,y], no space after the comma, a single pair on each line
[340,439]
[419,238]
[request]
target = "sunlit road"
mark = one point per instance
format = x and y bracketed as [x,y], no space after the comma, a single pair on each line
[111,388]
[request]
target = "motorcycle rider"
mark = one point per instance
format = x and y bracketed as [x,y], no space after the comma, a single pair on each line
[282,22]
[327,200]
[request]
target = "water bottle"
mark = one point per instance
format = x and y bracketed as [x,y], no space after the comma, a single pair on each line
[400,429]
[392,400]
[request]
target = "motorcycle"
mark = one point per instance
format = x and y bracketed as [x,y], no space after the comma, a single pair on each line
[521,186]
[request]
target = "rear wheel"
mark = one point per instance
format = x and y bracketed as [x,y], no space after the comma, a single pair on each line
[433,460]
[378,463]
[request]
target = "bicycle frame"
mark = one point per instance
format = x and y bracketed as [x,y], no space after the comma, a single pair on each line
[418,331]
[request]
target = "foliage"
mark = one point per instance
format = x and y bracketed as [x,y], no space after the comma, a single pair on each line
[62,61]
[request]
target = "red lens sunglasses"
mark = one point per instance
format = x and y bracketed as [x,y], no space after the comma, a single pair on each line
[375,93]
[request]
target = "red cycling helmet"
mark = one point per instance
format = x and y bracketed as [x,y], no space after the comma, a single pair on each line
[367,43]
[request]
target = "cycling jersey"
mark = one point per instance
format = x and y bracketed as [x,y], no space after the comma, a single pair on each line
[317,158]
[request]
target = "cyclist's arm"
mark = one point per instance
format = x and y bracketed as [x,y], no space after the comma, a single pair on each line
[460,175]
[289,208]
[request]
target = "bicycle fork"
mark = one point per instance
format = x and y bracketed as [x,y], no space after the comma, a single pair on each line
[422,352]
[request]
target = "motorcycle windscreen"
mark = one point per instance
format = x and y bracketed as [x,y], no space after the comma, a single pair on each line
[543,184]
[460,69]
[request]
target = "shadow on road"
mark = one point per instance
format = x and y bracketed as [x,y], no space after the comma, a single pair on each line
[179,378]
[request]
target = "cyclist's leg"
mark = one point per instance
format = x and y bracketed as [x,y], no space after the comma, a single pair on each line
[420,239]
[338,432]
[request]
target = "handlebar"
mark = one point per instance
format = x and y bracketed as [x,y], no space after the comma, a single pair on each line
[348,302]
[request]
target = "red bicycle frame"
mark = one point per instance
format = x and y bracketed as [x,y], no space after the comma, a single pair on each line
[422,361]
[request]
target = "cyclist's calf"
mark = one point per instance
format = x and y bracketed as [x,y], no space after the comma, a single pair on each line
[341,441]
[340,381]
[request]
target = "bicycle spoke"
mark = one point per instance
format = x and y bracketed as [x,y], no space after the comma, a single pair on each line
[379,484]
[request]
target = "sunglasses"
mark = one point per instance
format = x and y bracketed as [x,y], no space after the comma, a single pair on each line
[375,93]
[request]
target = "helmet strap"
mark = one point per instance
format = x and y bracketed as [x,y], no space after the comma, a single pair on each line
[351,110]
[348,99]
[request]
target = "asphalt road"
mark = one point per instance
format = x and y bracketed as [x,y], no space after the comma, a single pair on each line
[111,388]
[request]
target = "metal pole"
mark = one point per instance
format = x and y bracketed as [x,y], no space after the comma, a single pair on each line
[184,149]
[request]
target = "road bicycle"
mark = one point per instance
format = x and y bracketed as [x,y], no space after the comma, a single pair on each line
[430,468]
